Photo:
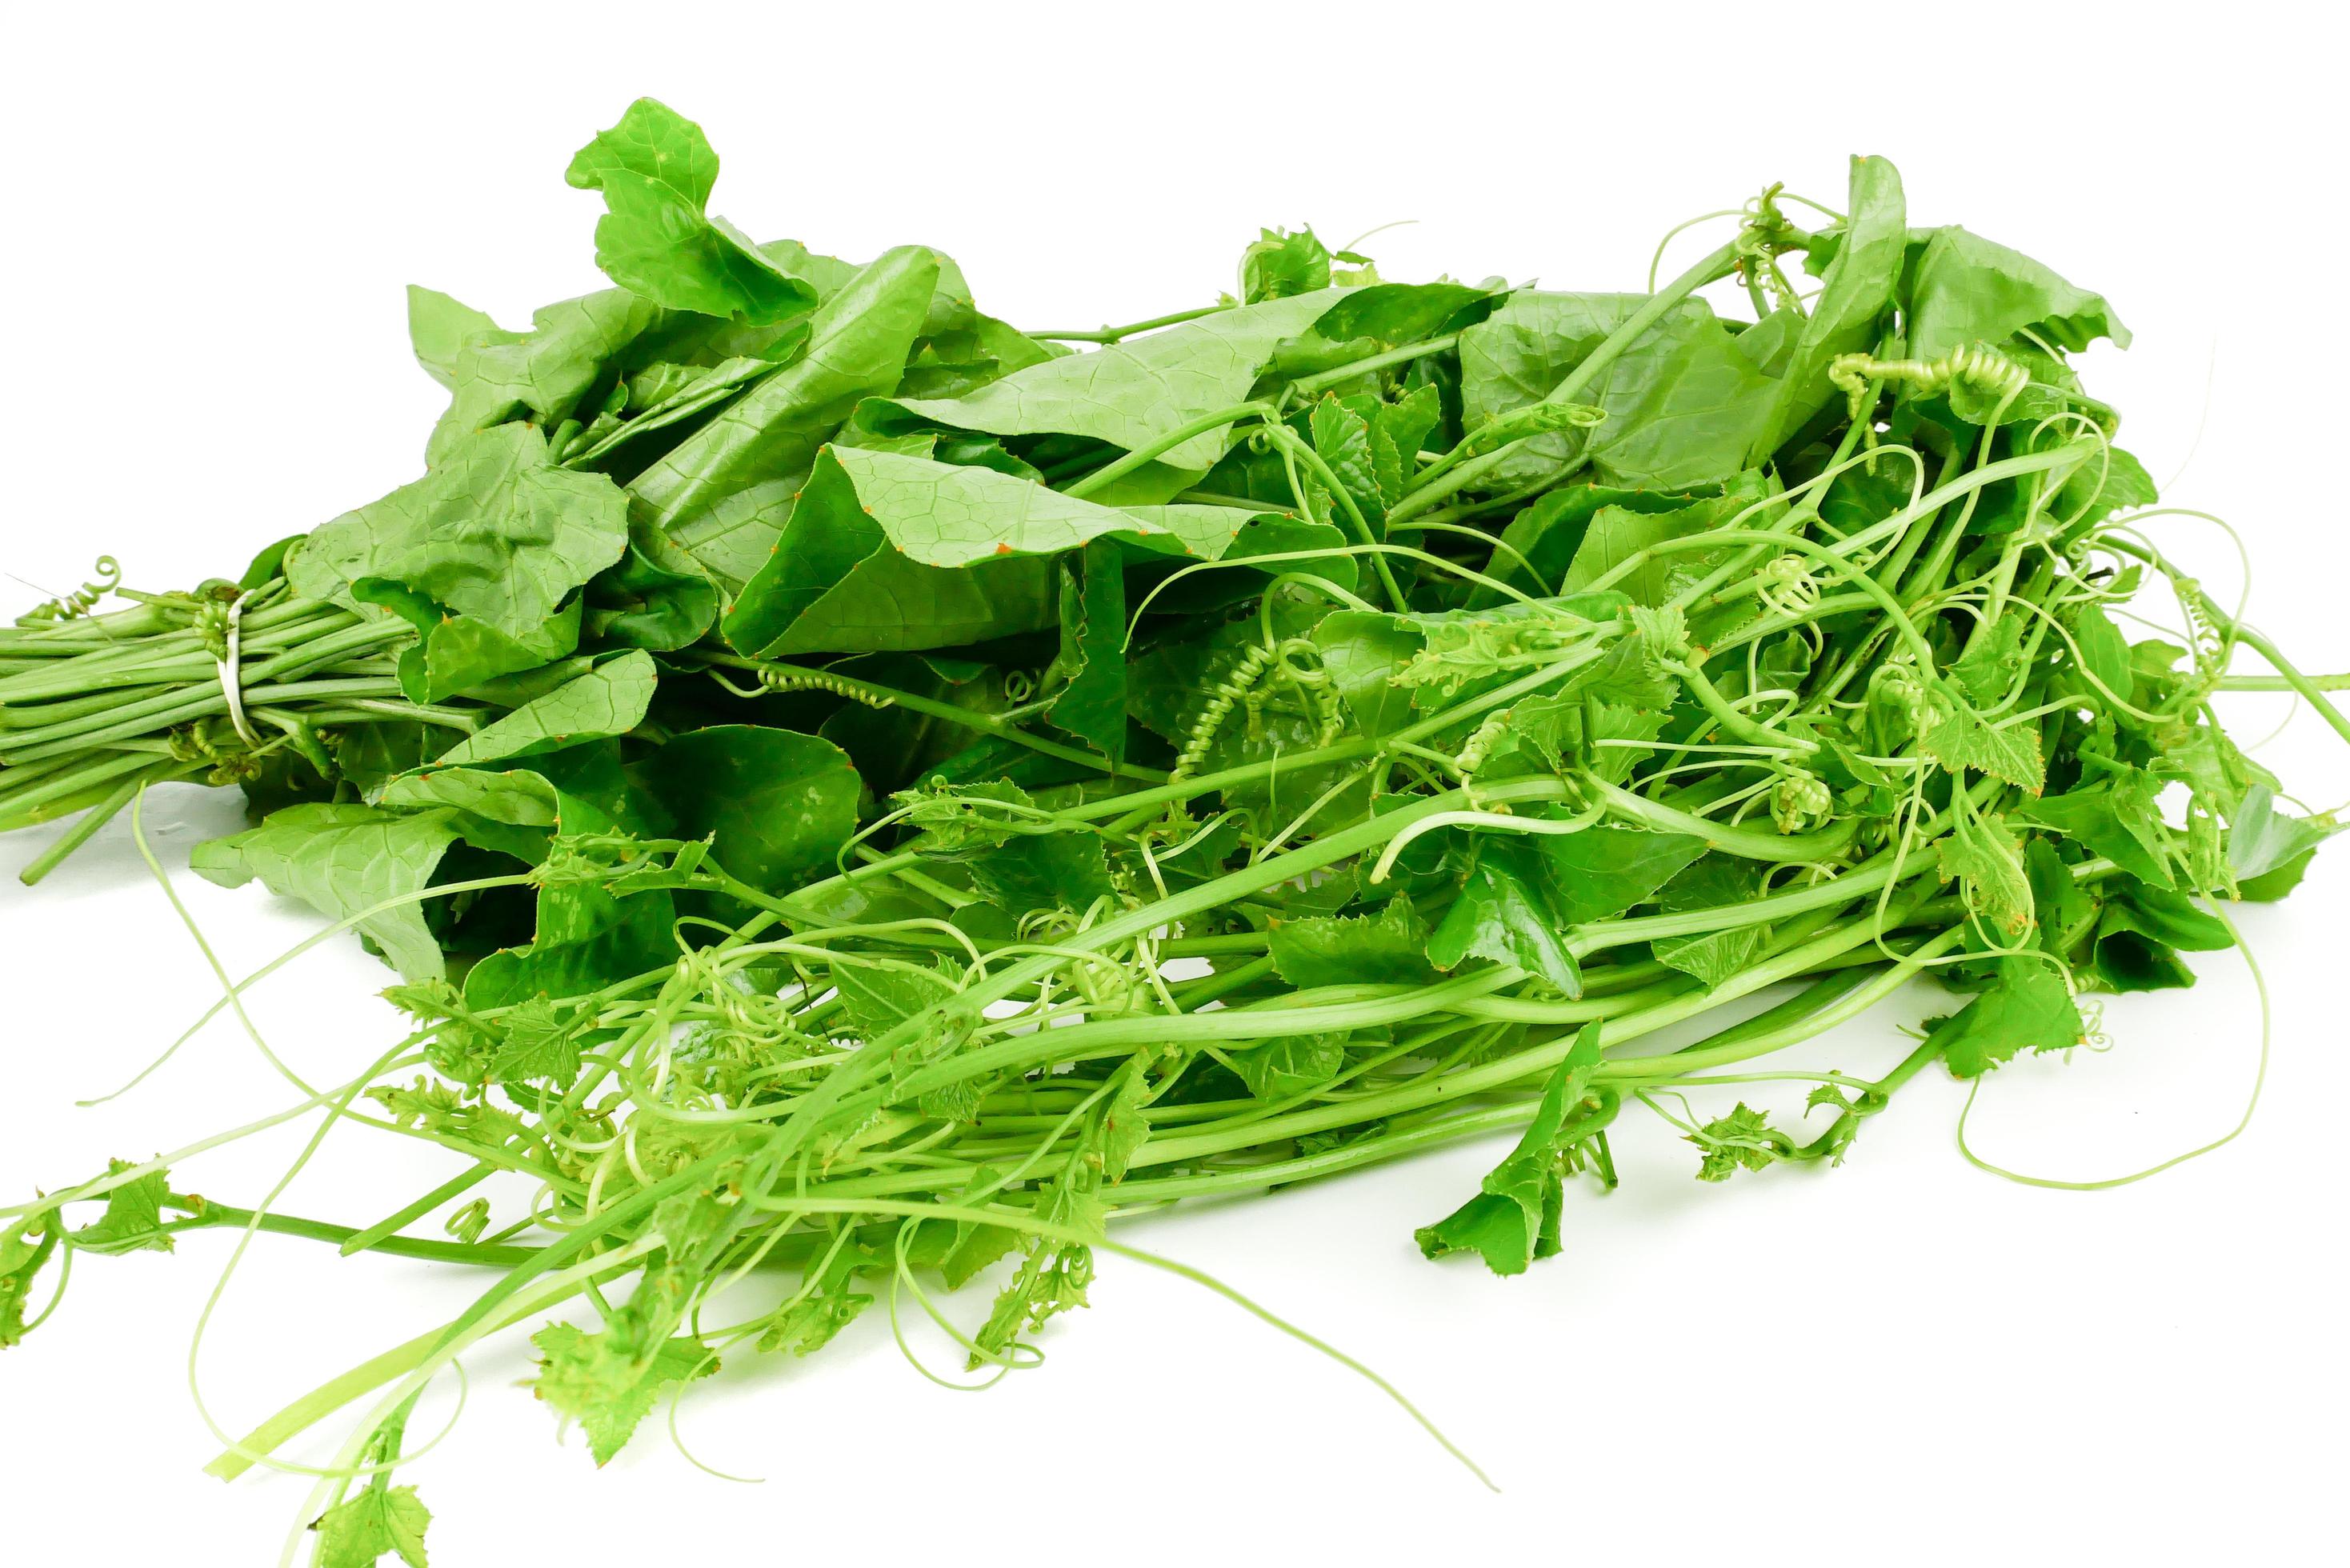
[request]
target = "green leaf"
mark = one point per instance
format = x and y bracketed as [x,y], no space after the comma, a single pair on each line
[1855,298]
[1280,264]
[1342,439]
[586,935]
[1540,542]
[858,343]
[2105,654]
[1739,1141]
[591,1379]
[1515,1217]
[2115,817]
[1712,882]
[1089,672]
[537,1044]
[1389,947]
[1615,533]
[885,551]
[1684,404]
[1606,869]
[496,377]
[342,859]
[609,700]
[22,1260]
[1963,289]
[1398,431]
[656,169]
[823,1306]
[1508,912]
[376,1523]
[1131,392]
[877,997]
[777,805]
[440,330]
[494,531]
[2027,1008]
[2061,907]
[2263,841]
[1987,862]
[133,1218]
[1958,738]
[455,654]
[1290,1065]
[655,596]
[2140,931]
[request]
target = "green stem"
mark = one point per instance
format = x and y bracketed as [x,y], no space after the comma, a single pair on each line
[1112,334]
[1151,450]
[79,833]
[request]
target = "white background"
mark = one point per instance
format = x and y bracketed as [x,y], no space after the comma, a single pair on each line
[1904,1360]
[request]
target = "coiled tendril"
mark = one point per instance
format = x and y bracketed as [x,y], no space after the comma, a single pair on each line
[81,601]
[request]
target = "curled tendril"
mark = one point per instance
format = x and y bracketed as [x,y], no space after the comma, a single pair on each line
[1977,365]
[1238,684]
[776,678]
[107,577]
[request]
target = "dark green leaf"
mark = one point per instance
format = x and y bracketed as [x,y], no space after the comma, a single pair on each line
[776,804]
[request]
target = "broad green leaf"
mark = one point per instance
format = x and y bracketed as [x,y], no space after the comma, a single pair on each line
[1290,1065]
[2263,841]
[2027,1008]
[341,860]
[886,551]
[2061,907]
[1856,296]
[456,653]
[1683,403]
[513,812]
[2140,931]
[494,532]
[878,997]
[1389,947]
[1615,532]
[655,596]
[2116,818]
[584,937]
[779,804]
[656,169]
[858,343]
[1712,882]
[609,699]
[2105,653]
[1507,912]
[1962,289]
[496,377]
[1604,869]
[1131,393]
[440,329]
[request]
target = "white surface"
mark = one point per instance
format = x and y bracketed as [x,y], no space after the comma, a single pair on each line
[1900,1361]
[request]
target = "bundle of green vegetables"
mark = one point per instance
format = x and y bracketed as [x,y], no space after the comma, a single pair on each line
[859,795]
